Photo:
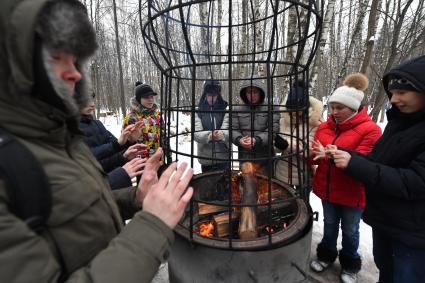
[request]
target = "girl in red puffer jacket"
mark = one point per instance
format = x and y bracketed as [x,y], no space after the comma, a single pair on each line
[343,197]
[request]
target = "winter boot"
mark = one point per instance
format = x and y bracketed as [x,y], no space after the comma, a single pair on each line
[350,268]
[318,266]
[348,277]
[325,257]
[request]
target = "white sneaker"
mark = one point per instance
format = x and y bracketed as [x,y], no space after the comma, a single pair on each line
[318,265]
[348,277]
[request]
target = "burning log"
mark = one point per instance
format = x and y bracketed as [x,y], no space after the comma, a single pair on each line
[221,222]
[204,208]
[248,218]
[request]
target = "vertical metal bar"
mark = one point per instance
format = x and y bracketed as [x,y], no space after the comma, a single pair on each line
[230,87]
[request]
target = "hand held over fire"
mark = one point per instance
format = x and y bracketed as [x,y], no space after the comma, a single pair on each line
[168,197]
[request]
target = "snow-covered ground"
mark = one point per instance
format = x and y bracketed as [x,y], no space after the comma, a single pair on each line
[369,272]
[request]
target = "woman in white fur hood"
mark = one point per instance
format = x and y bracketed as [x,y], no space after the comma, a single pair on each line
[283,170]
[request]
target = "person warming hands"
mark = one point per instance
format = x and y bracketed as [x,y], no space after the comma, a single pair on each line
[45,46]
[348,126]
[394,178]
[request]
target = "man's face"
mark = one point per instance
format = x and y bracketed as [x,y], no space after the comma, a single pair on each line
[89,109]
[408,101]
[253,94]
[63,65]
[211,99]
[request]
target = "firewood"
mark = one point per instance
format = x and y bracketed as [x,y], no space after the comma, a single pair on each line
[248,218]
[204,208]
[221,223]
[248,224]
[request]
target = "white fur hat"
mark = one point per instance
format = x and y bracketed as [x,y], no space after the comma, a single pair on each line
[351,93]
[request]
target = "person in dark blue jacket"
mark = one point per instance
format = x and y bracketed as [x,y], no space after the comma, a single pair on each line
[121,161]
[394,178]
[212,128]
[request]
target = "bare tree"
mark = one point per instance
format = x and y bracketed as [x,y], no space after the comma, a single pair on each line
[357,29]
[121,79]
[371,30]
[401,13]
[327,21]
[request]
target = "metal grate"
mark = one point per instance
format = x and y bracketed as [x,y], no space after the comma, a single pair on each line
[252,42]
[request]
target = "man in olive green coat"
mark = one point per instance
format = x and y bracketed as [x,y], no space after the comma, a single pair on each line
[43,47]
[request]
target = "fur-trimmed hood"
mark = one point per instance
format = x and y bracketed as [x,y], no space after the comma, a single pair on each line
[315,113]
[135,106]
[22,89]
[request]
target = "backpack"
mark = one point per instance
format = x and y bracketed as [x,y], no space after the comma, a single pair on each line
[26,183]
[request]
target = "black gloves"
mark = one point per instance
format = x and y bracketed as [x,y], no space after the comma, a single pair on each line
[280,143]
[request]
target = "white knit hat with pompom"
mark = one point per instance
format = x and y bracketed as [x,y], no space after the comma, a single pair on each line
[352,92]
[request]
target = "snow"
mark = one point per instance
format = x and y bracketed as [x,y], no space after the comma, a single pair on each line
[368,273]
[372,38]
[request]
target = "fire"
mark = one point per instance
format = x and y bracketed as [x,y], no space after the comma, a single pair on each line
[206,229]
[250,168]
[269,229]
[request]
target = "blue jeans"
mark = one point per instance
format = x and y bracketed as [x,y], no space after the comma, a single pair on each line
[349,217]
[397,263]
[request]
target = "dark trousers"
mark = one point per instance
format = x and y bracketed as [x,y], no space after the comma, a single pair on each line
[397,263]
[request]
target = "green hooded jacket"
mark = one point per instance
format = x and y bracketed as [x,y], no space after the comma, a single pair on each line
[85,227]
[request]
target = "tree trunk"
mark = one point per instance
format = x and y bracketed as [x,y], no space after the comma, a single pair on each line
[258,38]
[357,29]
[380,98]
[243,48]
[218,34]
[330,10]
[121,78]
[371,30]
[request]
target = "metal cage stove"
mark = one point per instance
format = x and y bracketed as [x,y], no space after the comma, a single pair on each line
[234,43]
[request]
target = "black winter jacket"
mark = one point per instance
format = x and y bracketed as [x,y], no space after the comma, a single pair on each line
[394,172]
[102,144]
[394,178]
[119,179]
[107,151]
[100,141]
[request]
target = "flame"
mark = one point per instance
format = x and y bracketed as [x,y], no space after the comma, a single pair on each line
[269,229]
[206,229]
[284,225]
[250,168]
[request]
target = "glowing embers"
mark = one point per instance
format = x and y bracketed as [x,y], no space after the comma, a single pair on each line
[206,228]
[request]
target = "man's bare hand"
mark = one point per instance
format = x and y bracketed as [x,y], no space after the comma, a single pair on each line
[247,142]
[135,167]
[136,132]
[218,135]
[149,177]
[168,198]
[125,134]
[341,158]
[134,151]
